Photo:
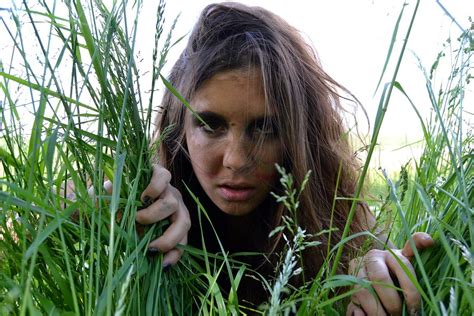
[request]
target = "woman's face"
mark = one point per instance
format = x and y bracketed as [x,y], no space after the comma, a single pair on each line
[234,154]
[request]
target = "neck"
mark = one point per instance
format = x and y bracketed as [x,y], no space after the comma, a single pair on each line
[236,233]
[247,232]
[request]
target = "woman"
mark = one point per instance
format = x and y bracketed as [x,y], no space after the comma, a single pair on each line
[259,97]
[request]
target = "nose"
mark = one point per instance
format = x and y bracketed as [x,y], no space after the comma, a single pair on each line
[236,155]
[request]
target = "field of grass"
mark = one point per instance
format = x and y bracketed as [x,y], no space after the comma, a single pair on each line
[80,254]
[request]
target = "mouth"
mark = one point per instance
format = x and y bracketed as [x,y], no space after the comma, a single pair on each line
[235,193]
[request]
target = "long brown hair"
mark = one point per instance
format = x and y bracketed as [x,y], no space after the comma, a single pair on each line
[304,98]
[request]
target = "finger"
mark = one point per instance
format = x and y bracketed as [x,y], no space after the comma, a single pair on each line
[358,312]
[69,192]
[421,240]
[172,257]
[366,300]
[350,309]
[159,210]
[410,293]
[174,233]
[353,310]
[108,186]
[66,190]
[355,265]
[378,273]
[158,183]
[90,192]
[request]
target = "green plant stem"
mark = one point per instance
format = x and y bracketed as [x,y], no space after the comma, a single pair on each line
[378,123]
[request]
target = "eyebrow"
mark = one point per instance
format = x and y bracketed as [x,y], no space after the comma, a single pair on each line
[203,117]
[263,120]
[209,116]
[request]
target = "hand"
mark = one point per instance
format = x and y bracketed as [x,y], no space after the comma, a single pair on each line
[68,191]
[381,267]
[166,201]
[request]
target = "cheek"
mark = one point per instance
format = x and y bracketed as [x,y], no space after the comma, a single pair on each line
[204,157]
[266,170]
[268,177]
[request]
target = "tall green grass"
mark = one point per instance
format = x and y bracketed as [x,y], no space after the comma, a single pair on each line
[439,197]
[434,193]
[80,253]
[91,121]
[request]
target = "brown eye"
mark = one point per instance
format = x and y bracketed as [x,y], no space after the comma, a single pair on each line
[207,128]
[212,128]
[263,128]
[210,123]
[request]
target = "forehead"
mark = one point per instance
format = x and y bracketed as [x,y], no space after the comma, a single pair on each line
[232,92]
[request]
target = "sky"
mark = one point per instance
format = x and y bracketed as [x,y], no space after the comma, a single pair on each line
[352,40]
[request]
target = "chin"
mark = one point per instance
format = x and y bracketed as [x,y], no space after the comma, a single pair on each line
[236,210]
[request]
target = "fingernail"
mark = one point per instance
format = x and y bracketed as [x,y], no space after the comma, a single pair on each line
[152,252]
[427,237]
[146,201]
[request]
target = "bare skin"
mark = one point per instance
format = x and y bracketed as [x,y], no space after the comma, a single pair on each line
[168,203]
[236,172]
[376,266]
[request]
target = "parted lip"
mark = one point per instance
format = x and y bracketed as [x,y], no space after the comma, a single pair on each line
[236,185]
[233,191]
